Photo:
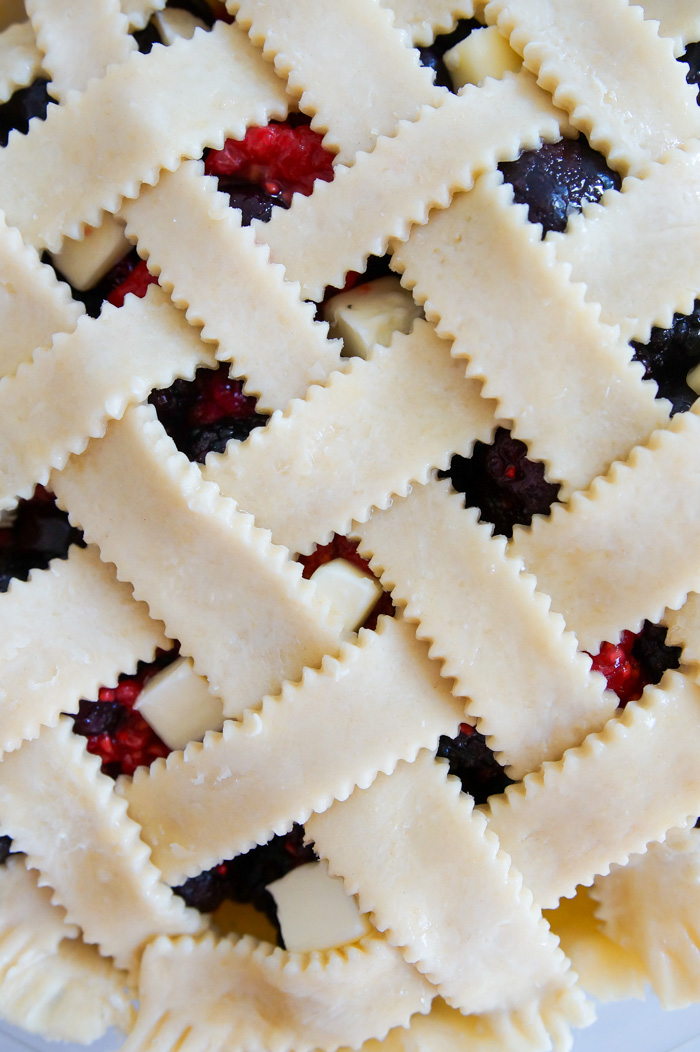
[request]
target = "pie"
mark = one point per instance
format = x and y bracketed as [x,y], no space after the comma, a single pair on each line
[350,626]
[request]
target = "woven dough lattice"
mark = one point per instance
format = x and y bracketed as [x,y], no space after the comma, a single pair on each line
[339,734]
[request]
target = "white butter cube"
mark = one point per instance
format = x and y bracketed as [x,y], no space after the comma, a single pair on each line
[351,593]
[179,705]
[484,53]
[370,314]
[173,23]
[315,911]
[83,263]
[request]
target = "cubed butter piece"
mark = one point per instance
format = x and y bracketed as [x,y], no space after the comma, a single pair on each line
[83,263]
[370,314]
[315,911]
[484,53]
[173,23]
[351,593]
[179,705]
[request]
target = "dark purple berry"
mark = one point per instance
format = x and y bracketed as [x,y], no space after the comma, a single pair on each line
[26,103]
[555,180]
[206,891]
[432,55]
[503,483]
[253,201]
[473,763]
[653,653]
[215,437]
[5,848]
[199,8]
[145,38]
[174,402]
[38,533]
[669,356]
[98,717]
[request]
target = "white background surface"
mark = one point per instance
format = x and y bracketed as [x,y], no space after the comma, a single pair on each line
[630,1026]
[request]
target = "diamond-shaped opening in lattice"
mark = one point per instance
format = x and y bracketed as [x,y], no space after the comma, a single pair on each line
[432,55]
[343,548]
[22,106]
[557,179]
[204,414]
[501,481]
[671,358]
[236,892]
[115,730]
[473,762]
[269,165]
[637,660]
[32,534]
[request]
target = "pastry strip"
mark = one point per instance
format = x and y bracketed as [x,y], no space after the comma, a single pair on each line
[34,305]
[637,251]
[565,379]
[424,19]
[20,59]
[379,702]
[546,1024]
[103,33]
[630,118]
[239,994]
[625,787]
[331,457]
[650,906]
[52,983]
[199,92]
[237,604]
[587,555]
[323,236]
[684,630]
[521,676]
[478,937]
[70,630]
[53,405]
[139,11]
[215,269]
[64,814]
[678,19]
[330,53]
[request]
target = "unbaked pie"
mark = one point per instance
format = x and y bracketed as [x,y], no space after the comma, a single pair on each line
[375,629]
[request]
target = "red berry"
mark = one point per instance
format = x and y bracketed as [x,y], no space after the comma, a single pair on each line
[107,694]
[137,282]
[128,691]
[621,669]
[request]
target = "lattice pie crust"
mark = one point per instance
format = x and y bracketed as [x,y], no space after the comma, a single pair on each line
[338,733]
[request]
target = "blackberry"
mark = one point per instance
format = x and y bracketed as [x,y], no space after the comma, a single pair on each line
[432,55]
[669,356]
[691,57]
[555,180]
[98,717]
[253,201]
[473,763]
[503,483]
[215,437]
[26,103]
[206,891]
[653,653]
[38,533]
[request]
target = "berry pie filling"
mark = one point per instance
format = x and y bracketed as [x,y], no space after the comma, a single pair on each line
[282,891]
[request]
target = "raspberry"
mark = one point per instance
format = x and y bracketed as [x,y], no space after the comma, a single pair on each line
[555,180]
[115,732]
[279,159]
[137,282]
[637,660]
[502,482]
